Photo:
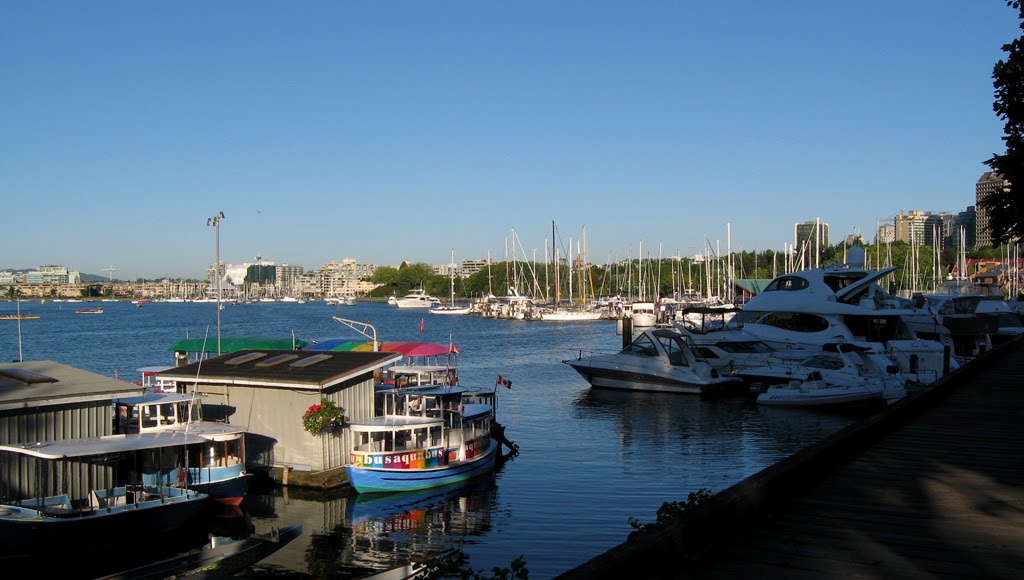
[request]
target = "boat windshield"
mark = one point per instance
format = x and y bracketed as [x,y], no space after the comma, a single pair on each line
[674,347]
[824,361]
[641,346]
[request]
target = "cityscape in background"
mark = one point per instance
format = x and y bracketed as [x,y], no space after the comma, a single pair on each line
[965,229]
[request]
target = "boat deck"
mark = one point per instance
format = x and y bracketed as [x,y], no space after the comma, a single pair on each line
[933,487]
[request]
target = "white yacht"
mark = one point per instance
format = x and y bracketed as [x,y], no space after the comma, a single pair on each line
[814,307]
[417,299]
[659,360]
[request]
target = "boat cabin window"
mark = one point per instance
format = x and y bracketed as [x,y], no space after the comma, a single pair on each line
[968,305]
[787,283]
[706,352]
[824,361]
[641,346]
[744,347]
[795,321]
[400,440]
[216,454]
[839,281]
[477,427]
[674,348]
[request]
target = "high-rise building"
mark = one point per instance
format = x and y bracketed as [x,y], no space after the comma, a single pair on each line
[938,227]
[812,234]
[989,183]
[966,223]
[910,226]
[886,233]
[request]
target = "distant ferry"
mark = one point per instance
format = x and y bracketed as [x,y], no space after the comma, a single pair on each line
[89,310]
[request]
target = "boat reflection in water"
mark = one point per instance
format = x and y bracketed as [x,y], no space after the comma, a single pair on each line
[349,535]
[672,429]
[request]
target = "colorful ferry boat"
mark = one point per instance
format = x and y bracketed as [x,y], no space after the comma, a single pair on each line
[424,437]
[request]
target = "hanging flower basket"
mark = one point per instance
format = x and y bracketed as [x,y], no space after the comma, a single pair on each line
[322,417]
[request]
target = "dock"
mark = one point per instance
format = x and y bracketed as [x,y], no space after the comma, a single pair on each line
[930,487]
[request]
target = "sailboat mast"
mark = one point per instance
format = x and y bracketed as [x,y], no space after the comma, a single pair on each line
[554,256]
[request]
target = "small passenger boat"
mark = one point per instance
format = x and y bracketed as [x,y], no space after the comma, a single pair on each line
[424,437]
[89,310]
[89,496]
[215,467]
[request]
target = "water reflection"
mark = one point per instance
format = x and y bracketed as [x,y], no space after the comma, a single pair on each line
[703,433]
[349,535]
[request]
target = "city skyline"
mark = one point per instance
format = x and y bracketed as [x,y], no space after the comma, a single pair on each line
[396,134]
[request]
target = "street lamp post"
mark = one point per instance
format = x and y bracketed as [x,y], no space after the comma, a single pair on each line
[215,223]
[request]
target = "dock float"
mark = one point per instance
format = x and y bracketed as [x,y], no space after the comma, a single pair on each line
[930,487]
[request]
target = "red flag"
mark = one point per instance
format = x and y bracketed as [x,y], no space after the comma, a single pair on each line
[499,381]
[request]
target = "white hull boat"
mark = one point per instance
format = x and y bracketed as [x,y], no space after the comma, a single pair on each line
[841,375]
[417,299]
[659,360]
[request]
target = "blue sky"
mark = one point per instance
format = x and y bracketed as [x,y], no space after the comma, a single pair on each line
[390,131]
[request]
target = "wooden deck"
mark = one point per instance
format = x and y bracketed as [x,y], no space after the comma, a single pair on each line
[933,487]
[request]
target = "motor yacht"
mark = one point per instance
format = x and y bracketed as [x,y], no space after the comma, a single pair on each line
[658,359]
[417,299]
[813,307]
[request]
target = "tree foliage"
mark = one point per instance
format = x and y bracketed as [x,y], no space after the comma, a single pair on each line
[1005,207]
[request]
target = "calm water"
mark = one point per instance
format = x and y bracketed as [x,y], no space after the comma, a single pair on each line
[589,460]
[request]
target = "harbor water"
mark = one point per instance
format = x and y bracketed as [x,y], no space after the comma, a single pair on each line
[589,459]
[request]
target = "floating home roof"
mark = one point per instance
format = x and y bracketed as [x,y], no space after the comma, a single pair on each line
[46,383]
[282,368]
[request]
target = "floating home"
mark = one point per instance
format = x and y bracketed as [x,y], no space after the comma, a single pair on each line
[266,392]
[49,401]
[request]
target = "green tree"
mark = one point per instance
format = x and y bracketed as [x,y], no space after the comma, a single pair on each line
[1005,207]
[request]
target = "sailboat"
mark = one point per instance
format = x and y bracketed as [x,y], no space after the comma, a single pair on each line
[450,308]
[573,312]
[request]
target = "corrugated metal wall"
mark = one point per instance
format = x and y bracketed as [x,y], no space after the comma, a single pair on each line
[18,473]
[273,419]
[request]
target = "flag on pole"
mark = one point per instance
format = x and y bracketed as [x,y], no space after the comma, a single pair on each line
[503,381]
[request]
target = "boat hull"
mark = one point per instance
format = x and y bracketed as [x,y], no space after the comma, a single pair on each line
[455,310]
[371,480]
[25,534]
[570,316]
[831,396]
[628,379]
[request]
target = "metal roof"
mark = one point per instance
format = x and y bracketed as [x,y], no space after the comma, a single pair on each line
[311,370]
[102,445]
[72,385]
